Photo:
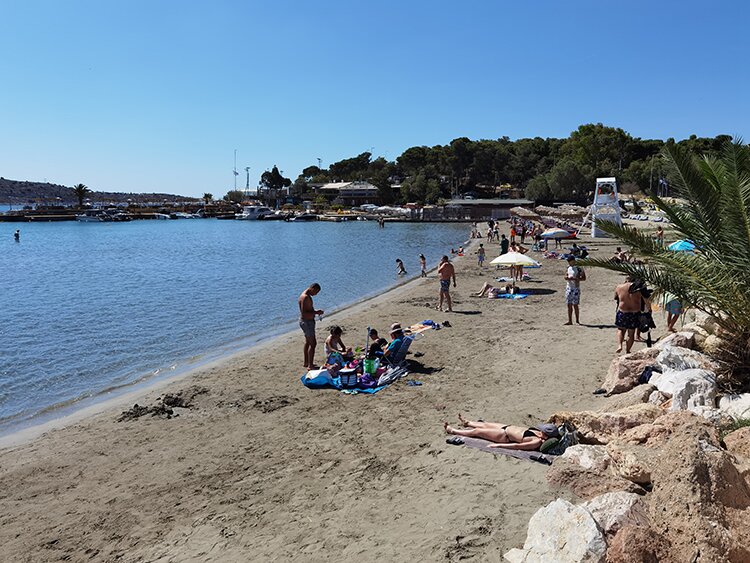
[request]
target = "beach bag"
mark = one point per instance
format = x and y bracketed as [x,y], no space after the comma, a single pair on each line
[568,437]
[317,379]
[581,274]
[348,377]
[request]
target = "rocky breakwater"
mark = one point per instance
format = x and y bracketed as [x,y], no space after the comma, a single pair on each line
[656,478]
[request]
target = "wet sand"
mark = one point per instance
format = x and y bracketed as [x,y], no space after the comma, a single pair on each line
[257,467]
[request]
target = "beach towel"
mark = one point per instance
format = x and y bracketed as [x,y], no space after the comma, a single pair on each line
[480,444]
[511,296]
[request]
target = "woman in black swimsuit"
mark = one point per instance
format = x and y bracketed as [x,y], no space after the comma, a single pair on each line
[505,435]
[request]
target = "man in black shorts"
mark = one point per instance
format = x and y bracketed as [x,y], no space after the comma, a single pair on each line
[446,271]
[628,314]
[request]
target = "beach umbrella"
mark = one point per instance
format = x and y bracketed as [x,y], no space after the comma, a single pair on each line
[682,246]
[515,259]
[556,233]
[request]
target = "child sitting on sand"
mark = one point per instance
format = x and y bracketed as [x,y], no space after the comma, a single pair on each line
[334,344]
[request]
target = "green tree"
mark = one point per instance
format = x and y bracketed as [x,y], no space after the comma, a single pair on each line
[538,189]
[234,196]
[81,192]
[272,182]
[567,181]
[207,198]
[715,215]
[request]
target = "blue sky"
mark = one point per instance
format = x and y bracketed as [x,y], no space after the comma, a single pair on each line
[141,96]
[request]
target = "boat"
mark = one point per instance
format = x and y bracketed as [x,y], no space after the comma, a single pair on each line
[161,216]
[276,216]
[121,216]
[93,216]
[181,215]
[250,212]
[305,217]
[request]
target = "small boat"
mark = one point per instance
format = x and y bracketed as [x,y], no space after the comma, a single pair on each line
[93,216]
[277,216]
[181,215]
[121,216]
[305,217]
[250,212]
[161,216]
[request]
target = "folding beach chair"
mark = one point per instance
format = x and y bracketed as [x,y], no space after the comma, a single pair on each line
[399,358]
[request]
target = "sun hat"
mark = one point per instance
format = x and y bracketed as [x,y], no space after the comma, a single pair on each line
[549,429]
[395,327]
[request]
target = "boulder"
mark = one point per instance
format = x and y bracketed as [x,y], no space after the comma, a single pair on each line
[624,371]
[612,511]
[682,339]
[693,388]
[735,406]
[638,394]
[561,532]
[599,428]
[699,334]
[738,442]
[712,344]
[588,483]
[678,359]
[658,432]
[595,458]
[656,397]
[709,413]
[632,462]
[637,544]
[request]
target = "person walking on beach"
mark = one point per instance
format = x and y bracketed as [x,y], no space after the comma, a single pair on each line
[573,276]
[446,272]
[504,245]
[423,265]
[480,255]
[628,314]
[400,270]
[307,314]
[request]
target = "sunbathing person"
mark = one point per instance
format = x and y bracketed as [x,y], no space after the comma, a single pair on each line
[334,344]
[505,435]
[492,291]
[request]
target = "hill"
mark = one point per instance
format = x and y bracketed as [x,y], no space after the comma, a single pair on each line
[18,192]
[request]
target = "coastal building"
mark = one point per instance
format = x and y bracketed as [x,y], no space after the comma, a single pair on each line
[350,193]
[475,209]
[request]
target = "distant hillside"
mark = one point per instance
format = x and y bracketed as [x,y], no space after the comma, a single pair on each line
[18,192]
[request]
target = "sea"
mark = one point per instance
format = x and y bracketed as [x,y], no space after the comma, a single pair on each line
[90,310]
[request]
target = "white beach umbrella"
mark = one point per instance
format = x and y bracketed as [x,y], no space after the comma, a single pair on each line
[515,259]
[556,233]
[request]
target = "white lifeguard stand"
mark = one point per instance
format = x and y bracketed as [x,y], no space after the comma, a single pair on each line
[605,206]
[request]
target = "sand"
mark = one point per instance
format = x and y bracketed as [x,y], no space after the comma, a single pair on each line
[259,468]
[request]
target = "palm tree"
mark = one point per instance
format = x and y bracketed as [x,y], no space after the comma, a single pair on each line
[208,198]
[81,192]
[715,216]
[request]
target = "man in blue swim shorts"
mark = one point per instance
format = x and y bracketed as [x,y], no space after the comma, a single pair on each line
[446,272]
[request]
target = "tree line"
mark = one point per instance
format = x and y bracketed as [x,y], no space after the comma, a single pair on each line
[546,169]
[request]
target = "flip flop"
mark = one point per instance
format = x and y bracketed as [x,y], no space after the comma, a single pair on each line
[413,383]
[455,441]
[447,323]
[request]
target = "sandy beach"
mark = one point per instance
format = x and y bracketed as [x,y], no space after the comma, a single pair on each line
[259,468]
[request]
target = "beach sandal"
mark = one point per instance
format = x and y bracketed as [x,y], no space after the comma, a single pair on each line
[540,459]
[447,323]
[413,383]
[454,441]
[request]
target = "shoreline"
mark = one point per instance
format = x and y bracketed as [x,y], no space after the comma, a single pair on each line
[60,416]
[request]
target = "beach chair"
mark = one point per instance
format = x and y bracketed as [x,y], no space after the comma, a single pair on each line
[399,358]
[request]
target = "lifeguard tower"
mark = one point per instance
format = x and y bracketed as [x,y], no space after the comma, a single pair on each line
[605,206]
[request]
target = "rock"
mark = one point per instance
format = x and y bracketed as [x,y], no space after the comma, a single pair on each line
[658,432]
[711,414]
[682,339]
[612,511]
[637,544]
[588,483]
[638,394]
[632,462]
[561,532]
[678,359]
[599,428]
[706,322]
[735,406]
[657,397]
[738,442]
[595,458]
[624,371]
[699,334]
[693,388]
[712,344]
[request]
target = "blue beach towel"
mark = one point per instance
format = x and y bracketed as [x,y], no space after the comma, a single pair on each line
[512,296]
[327,382]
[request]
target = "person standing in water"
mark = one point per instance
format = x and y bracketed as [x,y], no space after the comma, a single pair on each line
[400,270]
[307,323]
[17,235]
[423,265]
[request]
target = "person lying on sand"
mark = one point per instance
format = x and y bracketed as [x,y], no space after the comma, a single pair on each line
[492,291]
[505,435]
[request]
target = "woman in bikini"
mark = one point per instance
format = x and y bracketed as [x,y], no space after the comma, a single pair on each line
[505,435]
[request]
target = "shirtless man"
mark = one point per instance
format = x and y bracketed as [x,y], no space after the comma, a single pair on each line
[628,314]
[446,271]
[505,435]
[307,323]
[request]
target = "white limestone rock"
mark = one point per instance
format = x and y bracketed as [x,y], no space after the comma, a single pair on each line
[595,458]
[694,388]
[678,359]
[561,532]
[735,406]
[612,511]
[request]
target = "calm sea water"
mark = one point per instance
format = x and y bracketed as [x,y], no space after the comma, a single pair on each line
[88,308]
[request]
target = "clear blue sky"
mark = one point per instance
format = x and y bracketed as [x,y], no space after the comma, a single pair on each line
[155,95]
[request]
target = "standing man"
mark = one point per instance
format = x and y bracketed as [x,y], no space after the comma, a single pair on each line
[307,323]
[17,235]
[574,275]
[504,244]
[628,314]
[446,272]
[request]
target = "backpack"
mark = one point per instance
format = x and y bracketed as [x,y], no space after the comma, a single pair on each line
[568,437]
[581,274]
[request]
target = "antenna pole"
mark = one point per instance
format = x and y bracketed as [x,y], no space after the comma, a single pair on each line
[235,169]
